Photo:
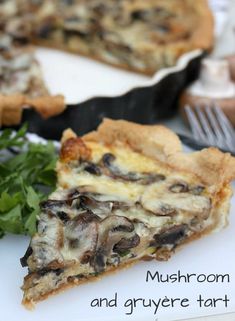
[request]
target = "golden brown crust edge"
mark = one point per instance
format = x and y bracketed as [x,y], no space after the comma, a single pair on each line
[11,107]
[29,304]
[210,165]
[155,141]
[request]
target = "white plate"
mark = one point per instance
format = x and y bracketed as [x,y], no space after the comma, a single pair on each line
[80,78]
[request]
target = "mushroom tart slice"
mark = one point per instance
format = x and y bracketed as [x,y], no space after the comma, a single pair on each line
[126,192]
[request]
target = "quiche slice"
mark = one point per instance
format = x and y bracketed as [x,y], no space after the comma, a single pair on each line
[125,193]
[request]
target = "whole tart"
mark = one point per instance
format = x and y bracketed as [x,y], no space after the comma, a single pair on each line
[141,36]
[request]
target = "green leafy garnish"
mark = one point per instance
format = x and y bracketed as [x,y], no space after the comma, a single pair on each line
[25,179]
[9,139]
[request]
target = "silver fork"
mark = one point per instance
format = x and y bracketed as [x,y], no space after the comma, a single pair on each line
[210,127]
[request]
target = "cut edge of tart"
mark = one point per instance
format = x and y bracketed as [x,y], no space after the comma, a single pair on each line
[126,192]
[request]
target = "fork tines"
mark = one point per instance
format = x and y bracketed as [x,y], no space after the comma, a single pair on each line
[211,127]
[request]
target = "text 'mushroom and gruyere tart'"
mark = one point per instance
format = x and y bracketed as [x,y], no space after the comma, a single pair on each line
[126,192]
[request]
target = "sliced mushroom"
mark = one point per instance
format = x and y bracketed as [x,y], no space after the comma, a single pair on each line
[73,194]
[170,236]
[126,244]
[141,178]
[165,210]
[63,216]
[114,260]
[99,8]
[79,26]
[152,15]
[158,199]
[111,231]
[92,169]
[86,201]
[52,205]
[180,187]
[97,207]
[143,15]
[55,205]
[45,271]
[123,19]
[149,178]
[45,30]
[116,223]
[99,259]
[93,202]
[115,43]
[81,235]
[197,190]
[108,159]
[47,243]
[24,259]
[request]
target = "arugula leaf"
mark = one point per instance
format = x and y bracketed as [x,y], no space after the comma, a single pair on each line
[25,180]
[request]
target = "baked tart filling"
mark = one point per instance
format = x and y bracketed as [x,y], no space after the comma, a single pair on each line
[120,198]
[142,36]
